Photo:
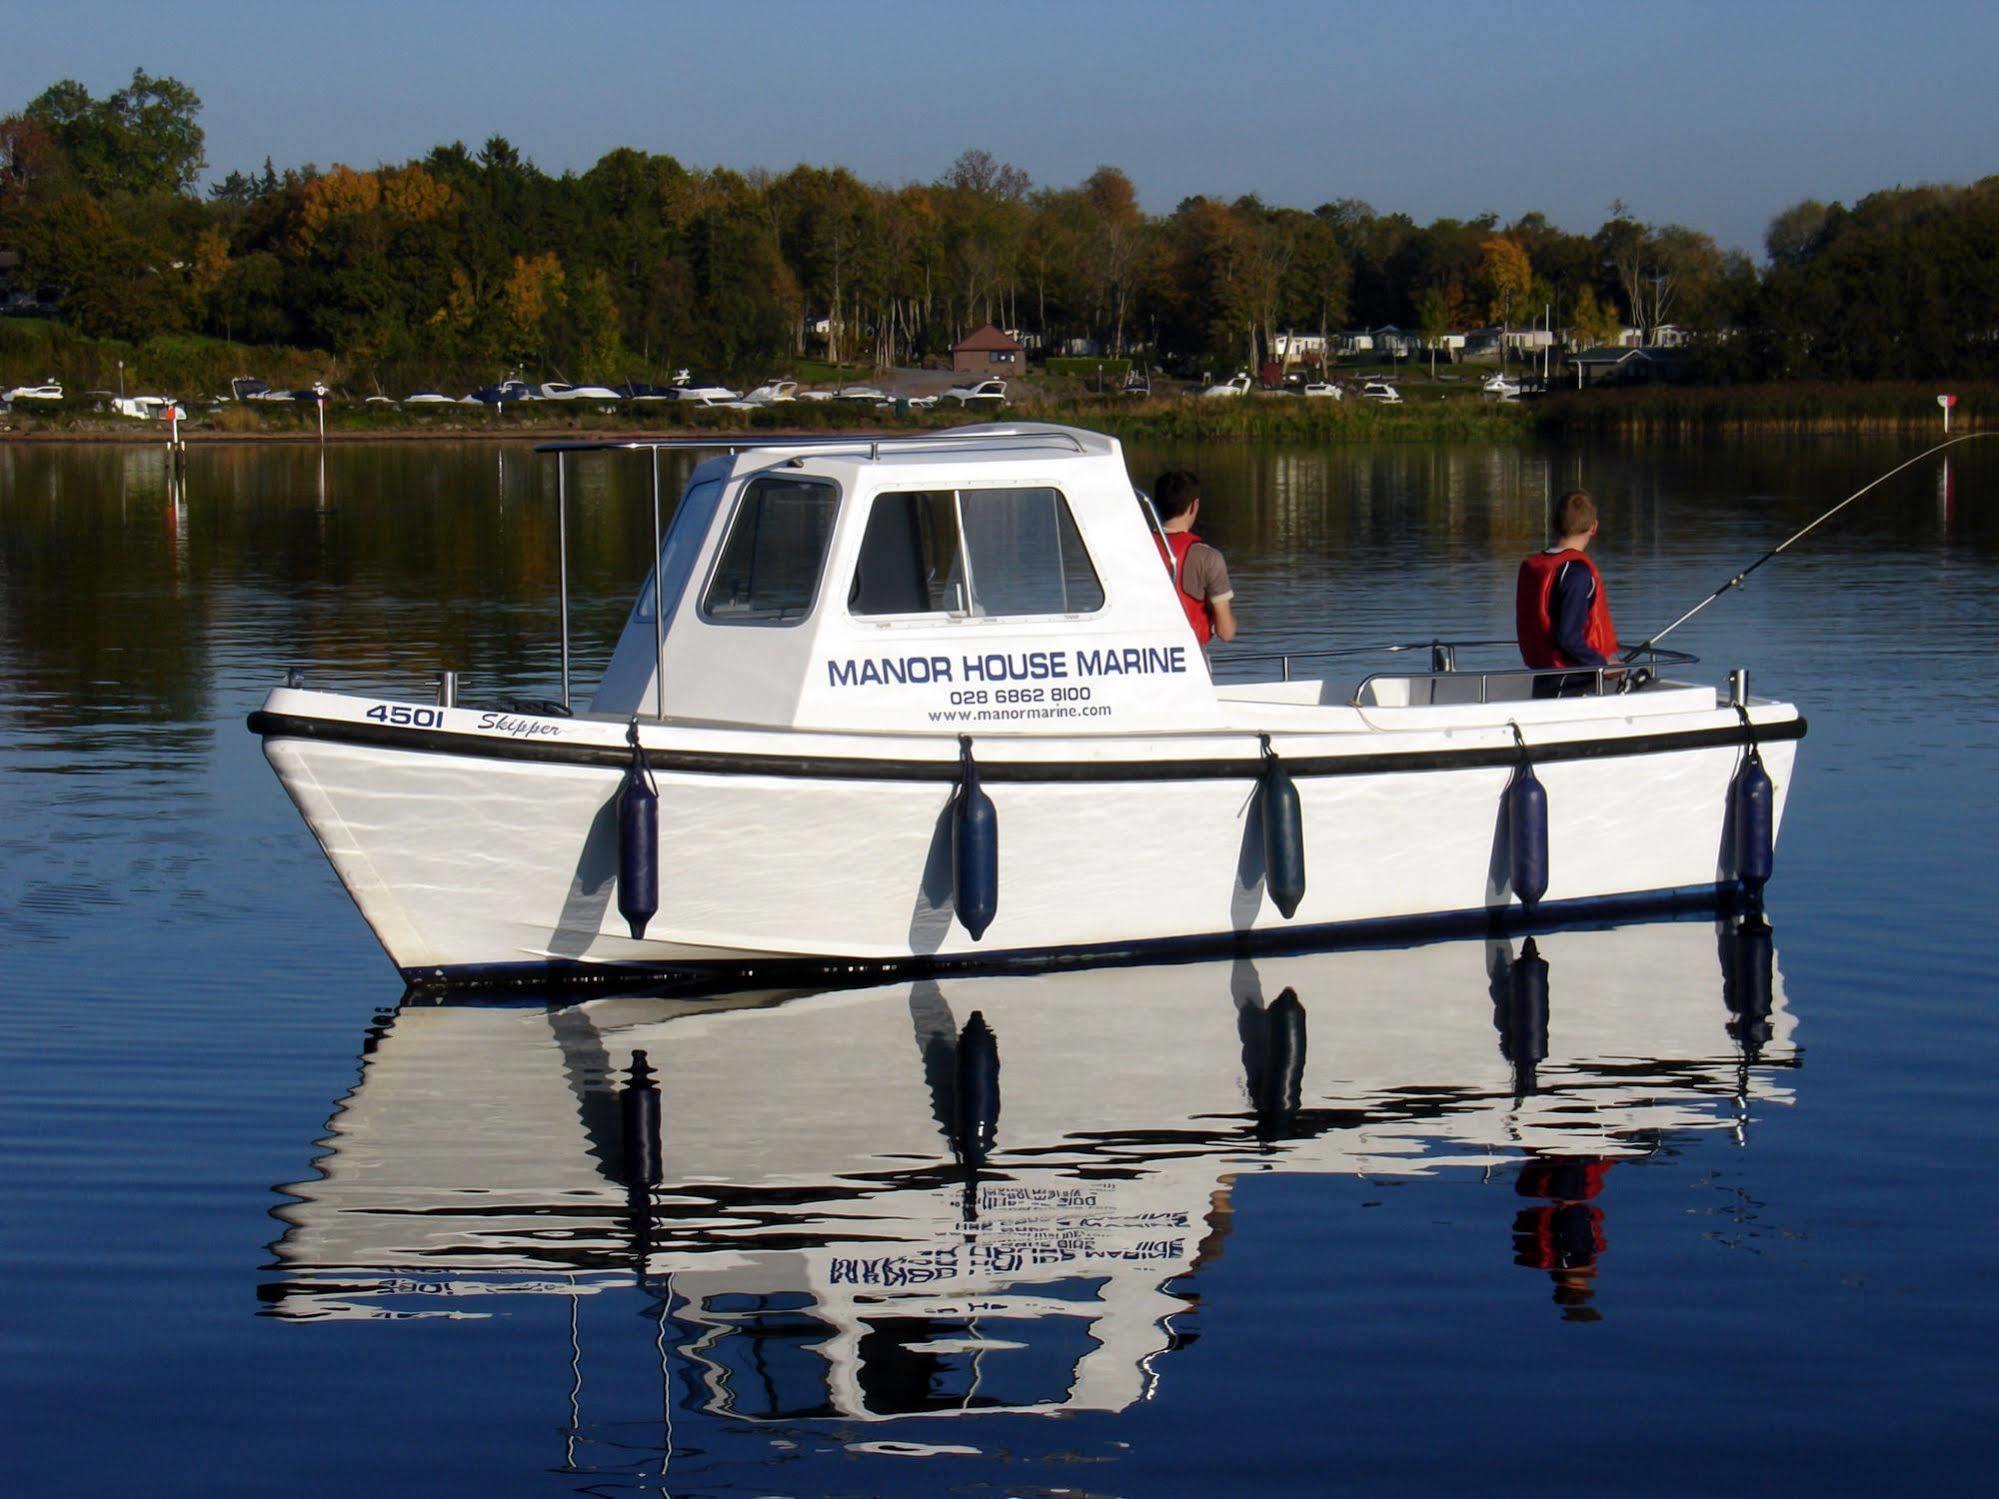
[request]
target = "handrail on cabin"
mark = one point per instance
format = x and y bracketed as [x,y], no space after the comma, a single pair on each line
[874,441]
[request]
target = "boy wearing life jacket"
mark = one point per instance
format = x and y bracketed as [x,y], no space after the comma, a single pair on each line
[1199,575]
[1559,606]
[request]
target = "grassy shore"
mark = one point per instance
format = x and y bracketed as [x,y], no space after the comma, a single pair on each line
[1431,412]
[1888,409]
[1273,419]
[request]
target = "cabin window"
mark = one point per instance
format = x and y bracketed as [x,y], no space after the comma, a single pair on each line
[768,571]
[985,553]
[686,529]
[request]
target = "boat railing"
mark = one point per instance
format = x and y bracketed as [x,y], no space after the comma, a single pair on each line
[1621,676]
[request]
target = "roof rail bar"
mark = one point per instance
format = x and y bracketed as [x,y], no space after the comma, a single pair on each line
[873,441]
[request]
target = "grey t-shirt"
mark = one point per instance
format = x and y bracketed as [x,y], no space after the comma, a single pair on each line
[1205,576]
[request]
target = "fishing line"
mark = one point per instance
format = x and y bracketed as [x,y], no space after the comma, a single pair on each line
[1740,578]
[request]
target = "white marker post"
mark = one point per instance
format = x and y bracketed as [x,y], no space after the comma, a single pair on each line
[320,402]
[1946,402]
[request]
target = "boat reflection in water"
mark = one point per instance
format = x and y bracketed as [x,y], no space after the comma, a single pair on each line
[993,1193]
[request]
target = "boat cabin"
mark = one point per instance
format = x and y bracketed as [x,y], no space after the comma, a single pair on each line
[990,580]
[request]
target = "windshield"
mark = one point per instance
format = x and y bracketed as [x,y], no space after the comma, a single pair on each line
[684,535]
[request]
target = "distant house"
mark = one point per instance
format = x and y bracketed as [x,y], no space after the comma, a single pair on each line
[988,352]
[1297,348]
[1397,343]
[1487,342]
[1618,366]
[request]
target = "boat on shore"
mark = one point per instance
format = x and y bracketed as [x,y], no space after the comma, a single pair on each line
[921,703]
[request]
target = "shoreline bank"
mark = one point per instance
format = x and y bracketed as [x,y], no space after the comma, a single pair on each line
[1667,412]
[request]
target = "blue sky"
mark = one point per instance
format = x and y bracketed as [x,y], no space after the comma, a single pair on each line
[1714,115]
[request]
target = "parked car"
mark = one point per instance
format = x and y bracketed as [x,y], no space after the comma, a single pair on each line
[1382,391]
[985,392]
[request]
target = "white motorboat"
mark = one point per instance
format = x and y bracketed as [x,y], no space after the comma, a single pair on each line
[978,393]
[50,391]
[429,398]
[706,395]
[1236,385]
[1019,1148]
[1382,391]
[1501,388]
[770,393]
[1322,390]
[558,391]
[866,395]
[149,408]
[931,701]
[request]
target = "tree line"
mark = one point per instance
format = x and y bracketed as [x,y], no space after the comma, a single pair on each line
[464,260]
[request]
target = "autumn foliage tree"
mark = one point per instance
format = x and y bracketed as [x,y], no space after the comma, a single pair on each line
[470,263]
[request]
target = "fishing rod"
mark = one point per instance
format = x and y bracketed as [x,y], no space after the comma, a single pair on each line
[1740,578]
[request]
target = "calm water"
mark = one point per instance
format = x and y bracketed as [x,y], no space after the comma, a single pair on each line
[1328,1222]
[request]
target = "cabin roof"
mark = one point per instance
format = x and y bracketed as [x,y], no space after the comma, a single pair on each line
[987,338]
[979,443]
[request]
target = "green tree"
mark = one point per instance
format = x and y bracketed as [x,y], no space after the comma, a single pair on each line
[1433,314]
[111,284]
[1592,324]
[141,139]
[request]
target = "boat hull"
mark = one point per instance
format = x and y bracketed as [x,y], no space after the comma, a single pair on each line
[480,856]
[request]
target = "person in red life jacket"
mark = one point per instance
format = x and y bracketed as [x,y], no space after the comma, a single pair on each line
[1559,606]
[1564,1236]
[1199,574]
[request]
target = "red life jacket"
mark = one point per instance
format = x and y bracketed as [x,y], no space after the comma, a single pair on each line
[1180,544]
[1534,619]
